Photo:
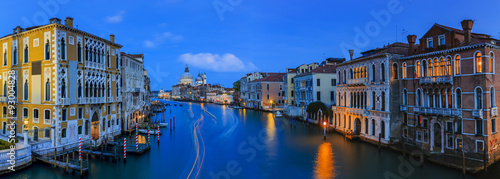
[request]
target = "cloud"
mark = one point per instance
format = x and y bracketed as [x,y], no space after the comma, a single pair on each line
[116,18]
[217,63]
[160,38]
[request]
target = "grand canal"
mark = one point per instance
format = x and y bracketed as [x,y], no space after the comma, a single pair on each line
[222,142]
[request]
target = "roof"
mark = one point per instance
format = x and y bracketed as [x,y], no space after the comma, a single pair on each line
[326,68]
[273,77]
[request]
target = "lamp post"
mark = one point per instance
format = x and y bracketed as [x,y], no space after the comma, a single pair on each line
[25,131]
[324,131]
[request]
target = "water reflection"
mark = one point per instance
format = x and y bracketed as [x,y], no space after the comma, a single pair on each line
[324,162]
[142,139]
[271,143]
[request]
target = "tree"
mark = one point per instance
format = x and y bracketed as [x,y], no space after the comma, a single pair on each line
[236,85]
[314,107]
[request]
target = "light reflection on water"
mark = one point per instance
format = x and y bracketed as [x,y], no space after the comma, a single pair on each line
[324,162]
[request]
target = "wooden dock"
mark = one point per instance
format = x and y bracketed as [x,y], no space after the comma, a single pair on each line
[66,161]
[142,148]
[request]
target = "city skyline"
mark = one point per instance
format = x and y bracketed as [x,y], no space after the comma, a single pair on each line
[234,39]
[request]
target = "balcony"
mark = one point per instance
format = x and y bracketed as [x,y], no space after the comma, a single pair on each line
[436,111]
[404,108]
[494,111]
[357,81]
[447,112]
[82,100]
[35,120]
[46,121]
[110,99]
[65,101]
[436,80]
[477,113]
[416,109]
[457,112]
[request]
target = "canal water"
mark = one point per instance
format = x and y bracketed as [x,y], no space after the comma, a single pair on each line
[212,141]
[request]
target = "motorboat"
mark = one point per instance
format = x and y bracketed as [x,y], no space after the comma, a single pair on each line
[278,114]
[163,124]
[151,132]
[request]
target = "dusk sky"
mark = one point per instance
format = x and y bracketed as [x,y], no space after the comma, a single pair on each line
[229,38]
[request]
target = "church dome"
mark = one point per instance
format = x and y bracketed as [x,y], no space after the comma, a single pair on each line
[186,78]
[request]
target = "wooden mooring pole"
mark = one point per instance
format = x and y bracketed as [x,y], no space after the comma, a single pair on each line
[55,157]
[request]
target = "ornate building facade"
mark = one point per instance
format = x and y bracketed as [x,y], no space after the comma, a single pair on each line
[134,91]
[67,83]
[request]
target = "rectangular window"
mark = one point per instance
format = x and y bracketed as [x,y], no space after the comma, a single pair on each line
[493,126]
[25,112]
[35,113]
[79,130]
[449,141]
[267,86]
[318,96]
[429,43]
[281,87]
[405,133]
[109,110]
[449,127]
[405,118]
[63,115]
[332,95]
[318,82]
[292,93]
[80,113]
[425,123]
[419,136]
[334,82]
[458,127]
[441,40]
[479,146]
[47,114]
[426,136]
[4,112]
[479,127]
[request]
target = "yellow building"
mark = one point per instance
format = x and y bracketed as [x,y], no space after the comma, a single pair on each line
[67,83]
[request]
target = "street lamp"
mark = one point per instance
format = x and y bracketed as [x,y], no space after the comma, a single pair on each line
[324,131]
[25,131]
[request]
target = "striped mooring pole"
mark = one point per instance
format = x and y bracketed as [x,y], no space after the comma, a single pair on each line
[170,123]
[80,148]
[148,138]
[174,122]
[124,149]
[136,138]
[158,133]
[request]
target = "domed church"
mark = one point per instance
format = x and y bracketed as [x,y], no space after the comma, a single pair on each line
[187,78]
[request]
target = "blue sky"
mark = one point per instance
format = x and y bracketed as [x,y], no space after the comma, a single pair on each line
[228,38]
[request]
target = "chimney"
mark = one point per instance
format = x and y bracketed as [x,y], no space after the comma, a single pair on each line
[69,22]
[411,41]
[55,20]
[17,30]
[112,38]
[467,27]
[351,52]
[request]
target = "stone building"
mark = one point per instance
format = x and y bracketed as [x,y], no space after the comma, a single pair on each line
[368,95]
[448,87]
[133,92]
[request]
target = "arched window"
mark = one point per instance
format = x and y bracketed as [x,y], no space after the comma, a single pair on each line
[492,62]
[382,72]
[63,49]
[5,88]
[429,71]
[26,54]
[47,90]
[86,54]
[47,50]
[405,97]
[373,73]
[418,71]
[373,127]
[395,71]
[442,67]
[366,125]
[457,65]
[365,102]
[424,68]
[418,98]
[345,77]
[478,61]
[79,49]
[448,66]
[479,98]
[436,67]
[382,129]
[373,100]
[492,97]
[5,59]
[14,56]
[63,89]
[26,90]
[458,97]
[443,98]
[80,89]
[383,101]
[404,71]
[351,74]
[364,72]
[108,61]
